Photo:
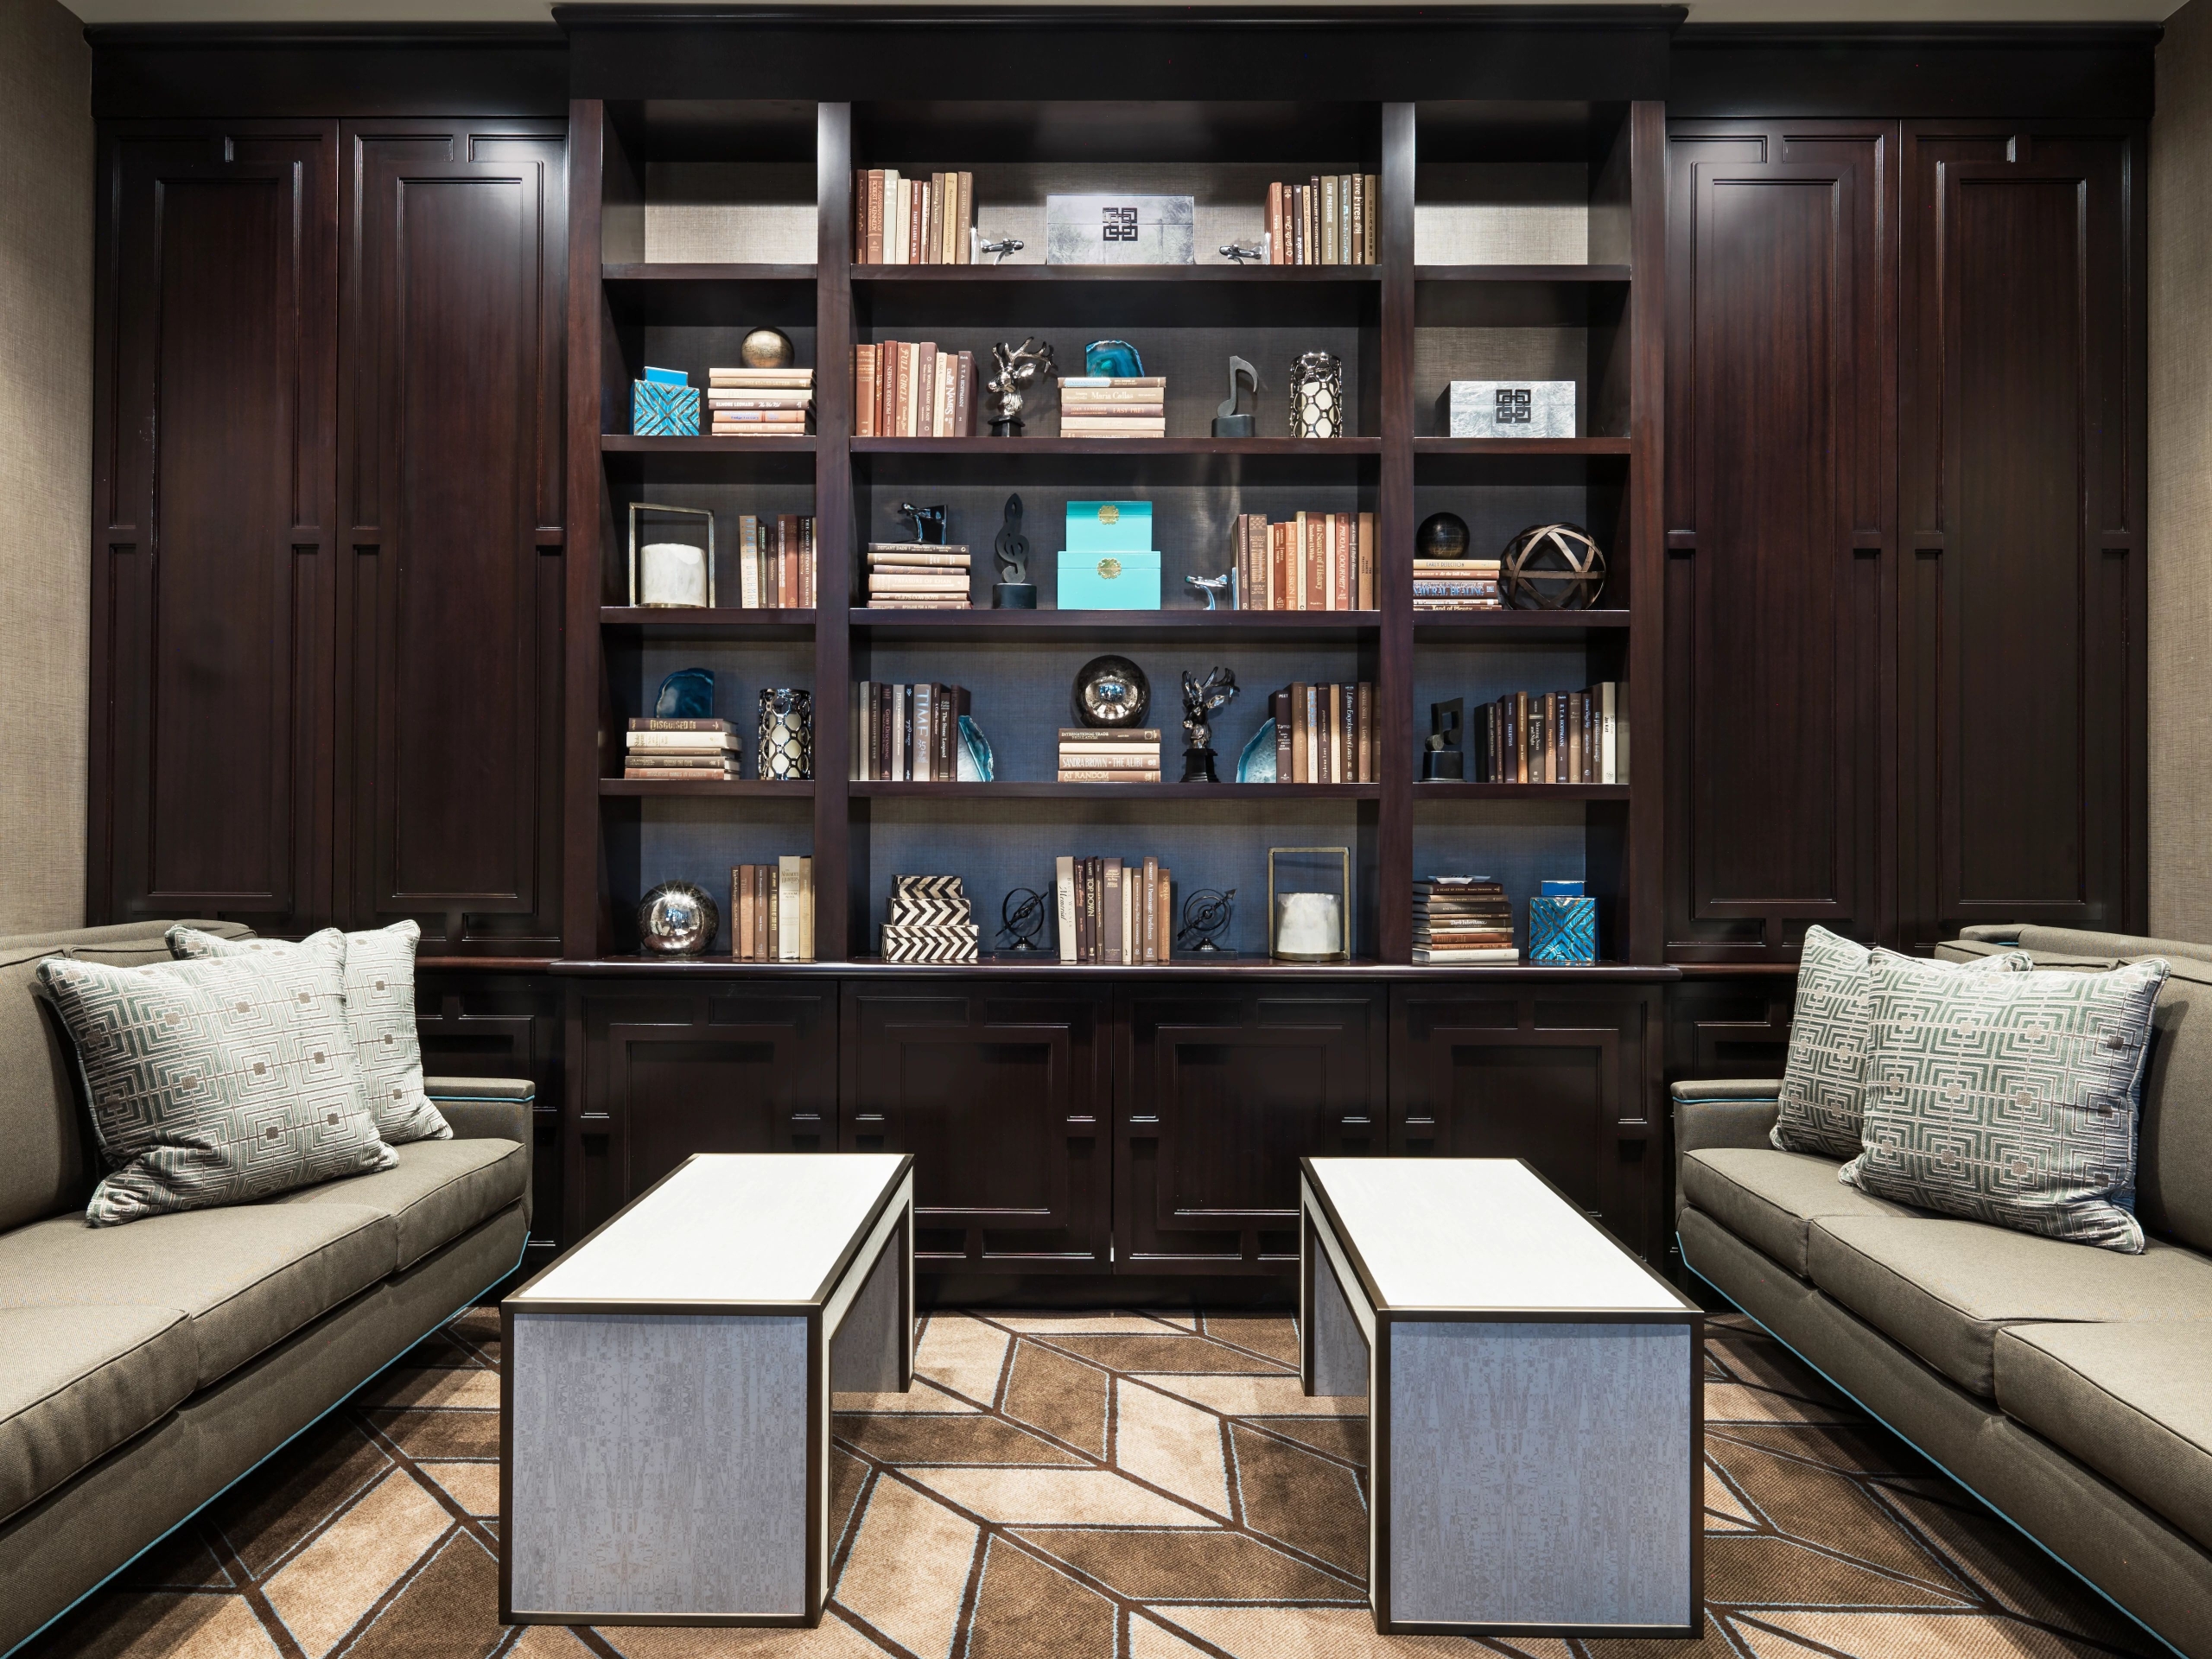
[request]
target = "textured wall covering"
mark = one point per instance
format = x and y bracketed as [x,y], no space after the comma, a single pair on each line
[2181,480]
[45,424]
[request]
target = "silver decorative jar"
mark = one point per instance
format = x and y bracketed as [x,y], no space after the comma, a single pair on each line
[677,919]
[786,735]
[1317,396]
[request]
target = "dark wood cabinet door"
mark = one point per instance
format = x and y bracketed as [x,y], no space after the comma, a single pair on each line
[1000,1093]
[474,1025]
[210,788]
[2022,672]
[1219,1092]
[1565,1077]
[1783,558]
[658,1073]
[453,290]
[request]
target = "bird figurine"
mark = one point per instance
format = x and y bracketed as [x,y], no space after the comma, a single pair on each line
[1000,249]
[1237,254]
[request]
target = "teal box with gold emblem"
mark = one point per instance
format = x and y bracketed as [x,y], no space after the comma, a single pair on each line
[1110,562]
[1109,527]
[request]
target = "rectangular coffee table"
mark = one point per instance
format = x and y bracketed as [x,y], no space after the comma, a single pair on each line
[666,1391]
[1535,1401]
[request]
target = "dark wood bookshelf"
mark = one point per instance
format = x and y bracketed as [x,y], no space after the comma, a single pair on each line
[720,622]
[1521,274]
[672,271]
[1504,446]
[653,788]
[624,443]
[1193,626]
[1471,791]
[1012,448]
[1024,790]
[1184,964]
[1248,274]
[1519,627]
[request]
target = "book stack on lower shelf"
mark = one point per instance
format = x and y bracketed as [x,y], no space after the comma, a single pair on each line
[1455,585]
[775,561]
[760,402]
[907,734]
[772,911]
[1113,910]
[1314,561]
[917,576]
[1107,406]
[929,921]
[1553,737]
[1462,918]
[906,389]
[1325,734]
[1090,756]
[681,751]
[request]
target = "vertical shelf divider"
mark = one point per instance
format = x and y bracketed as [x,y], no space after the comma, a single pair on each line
[835,868]
[1645,923]
[1394,525]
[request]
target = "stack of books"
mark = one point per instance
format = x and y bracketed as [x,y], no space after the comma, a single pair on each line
[1106,406]
[917,576]
[775,561]
[1325,734]
[1090,756]
[1462,918]
[1115,910]
[772,911]
[1323,221]
[1455,585]
[1313,561]
[1552,737]
[907,734]
[682,751]
[903,221]
[929,921]
[760,402]
[908,388]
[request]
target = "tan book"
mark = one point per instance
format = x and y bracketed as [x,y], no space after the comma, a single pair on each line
[1374,217]
[726,380]
[865,357]
[1099,775]
[964,250]
[678,775]
[1109,735]
[1081,429]
[1110,761]
[922,554]
[1367,601]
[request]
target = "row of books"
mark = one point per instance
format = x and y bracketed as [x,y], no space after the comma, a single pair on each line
[912,388]
[1088,755]
[907,734]
[1462,918]
[682,751]
[1552,737]
[1325,734]
[912,221]
[917,576]
[772,911]
[1328,221]
[1313,561]
[1108,406]
[760,402]
[775,564]
[1455,585]
[1114,910]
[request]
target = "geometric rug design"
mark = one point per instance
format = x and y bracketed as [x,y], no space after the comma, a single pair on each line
[1085,1486]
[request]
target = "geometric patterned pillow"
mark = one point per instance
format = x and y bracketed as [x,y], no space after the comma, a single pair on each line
[380,1006]
[215,1083]
[2009,1098]
[1826,1068]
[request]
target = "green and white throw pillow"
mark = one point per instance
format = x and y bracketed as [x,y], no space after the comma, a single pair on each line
[2008,1098]
[380,1006]
[1826,1068]
[217,1081]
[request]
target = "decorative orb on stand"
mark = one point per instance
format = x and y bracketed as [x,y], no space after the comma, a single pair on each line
[1552,567]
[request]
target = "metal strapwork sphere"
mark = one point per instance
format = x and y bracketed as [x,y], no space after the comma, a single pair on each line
[1552,567]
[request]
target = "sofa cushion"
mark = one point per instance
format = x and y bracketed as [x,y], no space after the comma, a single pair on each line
[2131,1401]
[437,1191]
[245,1275]
[1768,1197]
[77,1382]
[1945,1289]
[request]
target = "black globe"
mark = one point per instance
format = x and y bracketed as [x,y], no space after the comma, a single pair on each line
[1441,536]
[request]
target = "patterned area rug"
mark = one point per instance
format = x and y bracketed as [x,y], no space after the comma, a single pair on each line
[1134,1486]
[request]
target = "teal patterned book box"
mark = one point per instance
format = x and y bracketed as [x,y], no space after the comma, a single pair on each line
[1562,925]
[660,411]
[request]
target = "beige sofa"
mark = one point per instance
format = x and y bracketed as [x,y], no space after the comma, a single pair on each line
[2070,1387]
[145,1368]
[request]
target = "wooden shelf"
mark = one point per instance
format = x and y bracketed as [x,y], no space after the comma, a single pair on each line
[653,788]
[666,271]
[624,443]
[1047,792]
[1523,446]
[723,622]
[1296,449]
[1293,275]
[1521,274]
[1463,791]
[1517,627]
[1199,624]
[1001,965]
[1115,463]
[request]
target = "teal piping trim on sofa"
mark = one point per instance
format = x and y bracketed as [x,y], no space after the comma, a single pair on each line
[244,1474]
[1964,1485]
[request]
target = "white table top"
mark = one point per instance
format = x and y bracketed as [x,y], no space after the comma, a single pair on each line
[728,1227]
[1479,1234]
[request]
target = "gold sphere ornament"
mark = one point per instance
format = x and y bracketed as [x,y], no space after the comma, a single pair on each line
[768,348]
[1552,567]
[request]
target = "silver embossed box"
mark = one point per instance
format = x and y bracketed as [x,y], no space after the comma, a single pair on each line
[1120,231]
[1510,409]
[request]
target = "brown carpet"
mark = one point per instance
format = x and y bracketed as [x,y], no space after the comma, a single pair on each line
[1134,1486]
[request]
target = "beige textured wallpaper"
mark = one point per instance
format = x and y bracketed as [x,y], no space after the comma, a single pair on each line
[2181,480]
[45,457]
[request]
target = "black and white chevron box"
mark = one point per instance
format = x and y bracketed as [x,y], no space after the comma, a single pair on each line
[937,942]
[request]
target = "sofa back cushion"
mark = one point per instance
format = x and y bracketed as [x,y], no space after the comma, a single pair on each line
[48,1163]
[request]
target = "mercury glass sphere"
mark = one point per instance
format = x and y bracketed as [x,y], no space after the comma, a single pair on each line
[677,919]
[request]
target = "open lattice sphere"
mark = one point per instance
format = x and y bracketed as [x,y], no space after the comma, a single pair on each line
[1552,567]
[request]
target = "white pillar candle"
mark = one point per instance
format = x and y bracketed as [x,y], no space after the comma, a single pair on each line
[1308,924]
[671,573]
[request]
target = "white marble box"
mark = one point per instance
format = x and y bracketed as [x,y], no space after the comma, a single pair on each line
[1120,231]
[1510,409]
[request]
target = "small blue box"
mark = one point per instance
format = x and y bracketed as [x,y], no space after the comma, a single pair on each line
[662,411]
[1109,581]
[667,377]
[1560,889]
[1109,527]
[1562,929]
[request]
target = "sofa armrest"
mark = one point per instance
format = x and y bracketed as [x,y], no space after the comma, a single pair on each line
[484,1109]
[1722,1112]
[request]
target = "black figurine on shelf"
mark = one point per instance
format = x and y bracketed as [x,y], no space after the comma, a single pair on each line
[1012,591]
[1022,916]
[1441,759]
[1205,918]
[928,523]
[1199,703]
[1227,423]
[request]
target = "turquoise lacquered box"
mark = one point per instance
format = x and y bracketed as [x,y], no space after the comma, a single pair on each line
[1109,581]
[1109,527]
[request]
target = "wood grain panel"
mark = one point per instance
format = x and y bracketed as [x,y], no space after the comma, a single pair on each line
[506,1026]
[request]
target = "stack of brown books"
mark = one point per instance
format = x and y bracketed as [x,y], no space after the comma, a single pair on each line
[1115,910]
[1090,756]
[917,576]
[775,561]
[909,389]
[772,911]
[760,402]
[907,734]
[1104,406]
[1552,737]
[912,221]
[1325,734]
[1325,221]
[1462,918]
[682,751]
[1313,562]
[1455,585]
